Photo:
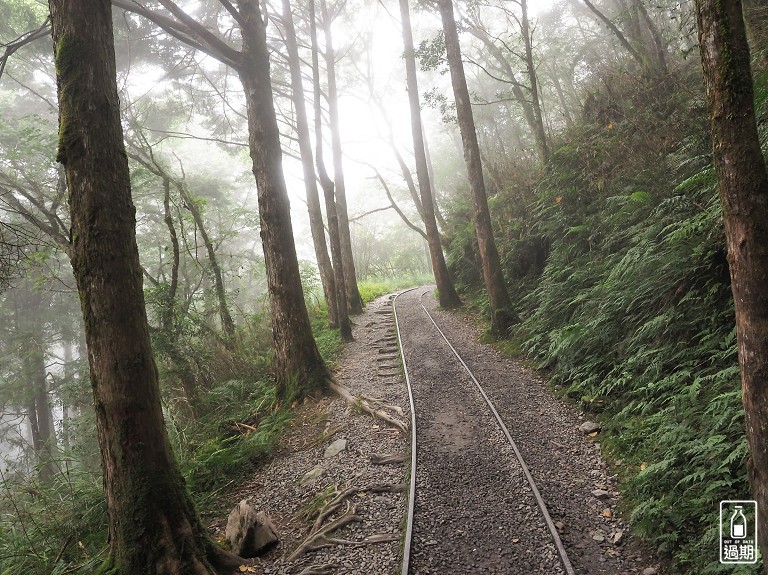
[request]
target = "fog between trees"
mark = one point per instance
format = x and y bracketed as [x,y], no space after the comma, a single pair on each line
[583,224]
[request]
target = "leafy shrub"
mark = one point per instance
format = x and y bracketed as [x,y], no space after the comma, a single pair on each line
[50,528]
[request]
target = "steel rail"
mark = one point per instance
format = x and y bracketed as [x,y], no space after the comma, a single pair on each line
[412,486]
[542,506]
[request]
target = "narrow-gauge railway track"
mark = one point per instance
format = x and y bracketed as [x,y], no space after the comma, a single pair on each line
[474,506]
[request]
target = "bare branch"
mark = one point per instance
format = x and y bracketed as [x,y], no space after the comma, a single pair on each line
[395,207]
[186,29]
[26,38]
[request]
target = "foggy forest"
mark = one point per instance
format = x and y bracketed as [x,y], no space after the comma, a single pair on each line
[203,203]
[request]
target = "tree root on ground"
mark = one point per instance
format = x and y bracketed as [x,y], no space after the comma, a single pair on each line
[318,538]
[387,488]
[372,406]
[319,535]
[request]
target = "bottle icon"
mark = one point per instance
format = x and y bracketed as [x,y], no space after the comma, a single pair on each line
[738,524]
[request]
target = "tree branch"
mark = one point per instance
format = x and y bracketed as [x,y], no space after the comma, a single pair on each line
[23,40]
[186,29]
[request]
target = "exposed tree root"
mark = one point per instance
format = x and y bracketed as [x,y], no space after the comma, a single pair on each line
[225,561]
[372,406]
[332,506]
[318,538]
[319,535]
[387,488]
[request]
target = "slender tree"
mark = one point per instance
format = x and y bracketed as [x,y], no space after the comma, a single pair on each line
[327,184]
[743,187]
[502,316]
[310,181]
[153,527]
[533,83]
[445,288]
[354,300]
[300,368]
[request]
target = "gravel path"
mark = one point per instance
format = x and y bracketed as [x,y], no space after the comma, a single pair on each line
[474,510]
[369,366]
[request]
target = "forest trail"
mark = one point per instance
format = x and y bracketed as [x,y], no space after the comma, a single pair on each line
[474,512]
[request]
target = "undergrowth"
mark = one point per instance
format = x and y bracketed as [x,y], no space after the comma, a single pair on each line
[372,288]
[60,527]
[620,275]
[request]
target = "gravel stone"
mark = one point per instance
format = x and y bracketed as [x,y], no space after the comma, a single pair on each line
[335,448]
[278,488]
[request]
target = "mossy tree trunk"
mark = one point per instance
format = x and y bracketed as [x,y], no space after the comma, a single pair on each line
[300,368]
[502,316]
[153,527]
[743,186]
[445,289]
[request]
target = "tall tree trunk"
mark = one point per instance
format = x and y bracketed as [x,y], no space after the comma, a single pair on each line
[46,438]
[39,411]
[502,316]
[658,41]
[530,66]
[66,409]
[310,182]
[743,186]
[354,300]
[153,527]
[300,368]
[28,315]
[339,271]
[442,224]
[445,288]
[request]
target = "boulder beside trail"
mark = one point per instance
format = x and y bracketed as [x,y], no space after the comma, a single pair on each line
[250,533]
[589,427]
